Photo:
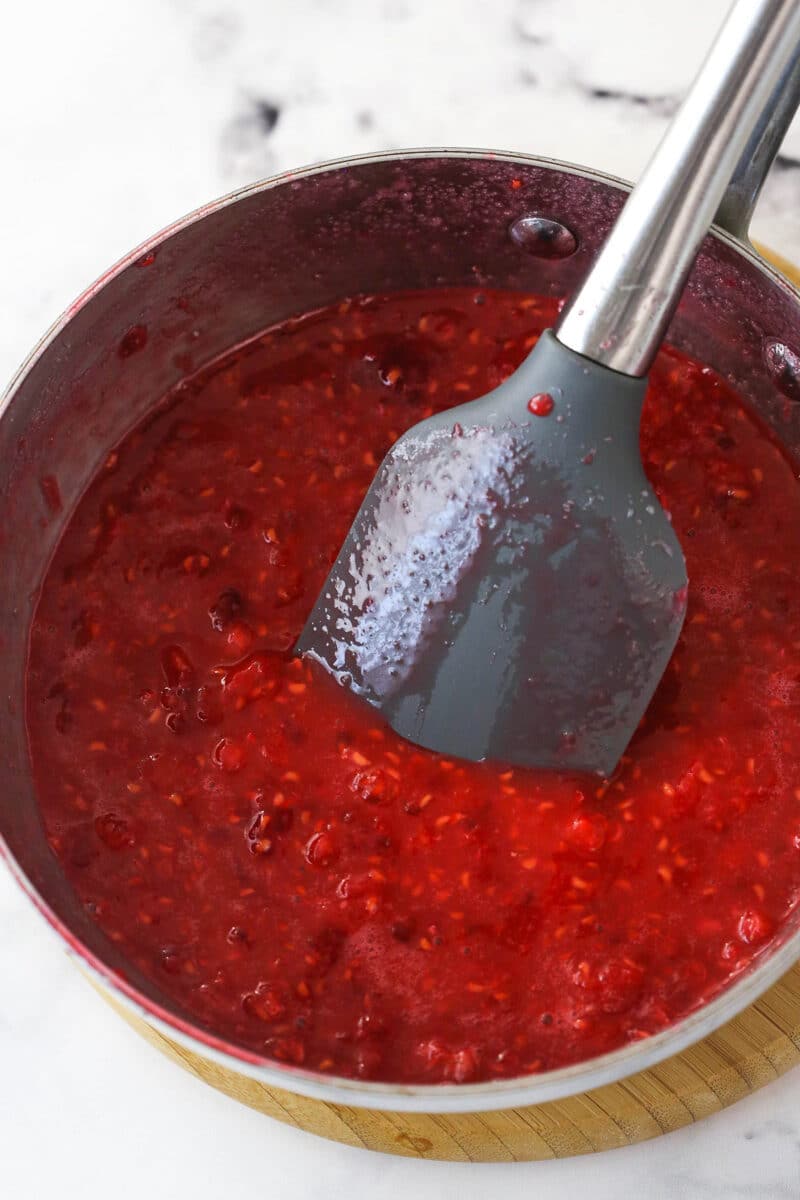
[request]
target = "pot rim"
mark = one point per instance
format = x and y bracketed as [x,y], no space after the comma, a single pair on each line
[431,1098]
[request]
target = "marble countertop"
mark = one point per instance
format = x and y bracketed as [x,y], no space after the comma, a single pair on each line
[114,120]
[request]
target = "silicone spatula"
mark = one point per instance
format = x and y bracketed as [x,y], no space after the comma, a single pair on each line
[511,587]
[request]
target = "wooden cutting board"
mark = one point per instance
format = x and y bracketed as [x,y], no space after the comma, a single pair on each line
[752,1049]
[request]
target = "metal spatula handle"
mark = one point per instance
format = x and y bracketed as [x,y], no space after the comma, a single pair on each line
[620,314]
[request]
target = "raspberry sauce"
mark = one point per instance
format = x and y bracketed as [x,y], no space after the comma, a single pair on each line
[295,876]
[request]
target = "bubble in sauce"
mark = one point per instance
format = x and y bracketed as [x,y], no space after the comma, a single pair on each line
[542,237]
[783,365]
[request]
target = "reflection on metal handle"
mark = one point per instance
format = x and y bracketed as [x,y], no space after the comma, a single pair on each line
[740,197]
[621,312]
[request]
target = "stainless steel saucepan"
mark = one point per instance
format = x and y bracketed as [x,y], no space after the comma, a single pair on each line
[421,219]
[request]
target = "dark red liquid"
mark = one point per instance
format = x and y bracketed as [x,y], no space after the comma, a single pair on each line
[297,877]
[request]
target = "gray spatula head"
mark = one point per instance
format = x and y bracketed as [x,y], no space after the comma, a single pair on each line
[511,588]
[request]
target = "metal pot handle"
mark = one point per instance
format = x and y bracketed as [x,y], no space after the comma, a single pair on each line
[739,201]
[620,314]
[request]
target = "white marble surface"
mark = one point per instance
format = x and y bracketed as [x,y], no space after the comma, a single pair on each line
[114,119]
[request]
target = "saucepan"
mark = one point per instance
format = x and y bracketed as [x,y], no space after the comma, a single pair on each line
[420,219]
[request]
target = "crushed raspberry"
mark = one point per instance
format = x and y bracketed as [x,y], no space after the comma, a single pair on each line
[293,875]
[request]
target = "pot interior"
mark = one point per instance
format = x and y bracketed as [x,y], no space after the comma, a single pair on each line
[418,221]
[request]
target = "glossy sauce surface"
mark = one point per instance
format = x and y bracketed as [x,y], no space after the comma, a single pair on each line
[293,874]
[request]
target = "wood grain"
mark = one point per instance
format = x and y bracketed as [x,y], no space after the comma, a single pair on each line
[752,1049]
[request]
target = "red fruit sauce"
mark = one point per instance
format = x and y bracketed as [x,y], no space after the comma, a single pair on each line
[290,872]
